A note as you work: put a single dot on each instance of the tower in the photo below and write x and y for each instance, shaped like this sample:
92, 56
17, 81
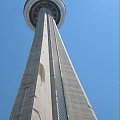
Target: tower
50, 88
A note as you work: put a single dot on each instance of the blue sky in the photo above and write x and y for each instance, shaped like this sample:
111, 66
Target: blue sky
91, 36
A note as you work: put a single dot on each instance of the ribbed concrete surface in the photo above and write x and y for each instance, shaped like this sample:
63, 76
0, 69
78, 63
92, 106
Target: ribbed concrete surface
50, 88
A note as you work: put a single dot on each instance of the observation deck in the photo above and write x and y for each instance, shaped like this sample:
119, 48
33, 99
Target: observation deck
32, 8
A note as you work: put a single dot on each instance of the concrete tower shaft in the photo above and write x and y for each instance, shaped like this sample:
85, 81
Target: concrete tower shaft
50, 88
32, 8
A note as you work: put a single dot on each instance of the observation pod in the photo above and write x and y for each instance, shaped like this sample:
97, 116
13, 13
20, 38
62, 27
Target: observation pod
32, 7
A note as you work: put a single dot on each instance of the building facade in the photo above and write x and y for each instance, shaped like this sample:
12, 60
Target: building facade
50, 88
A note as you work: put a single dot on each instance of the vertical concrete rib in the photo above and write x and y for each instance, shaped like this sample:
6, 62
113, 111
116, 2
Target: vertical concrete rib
77, 104
52, 74
59, 94
31, 93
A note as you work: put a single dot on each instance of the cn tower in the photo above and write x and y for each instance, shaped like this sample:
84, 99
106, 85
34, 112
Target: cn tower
50, 88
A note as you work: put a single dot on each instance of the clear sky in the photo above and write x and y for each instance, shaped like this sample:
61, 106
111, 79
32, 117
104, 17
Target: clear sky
91, 36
